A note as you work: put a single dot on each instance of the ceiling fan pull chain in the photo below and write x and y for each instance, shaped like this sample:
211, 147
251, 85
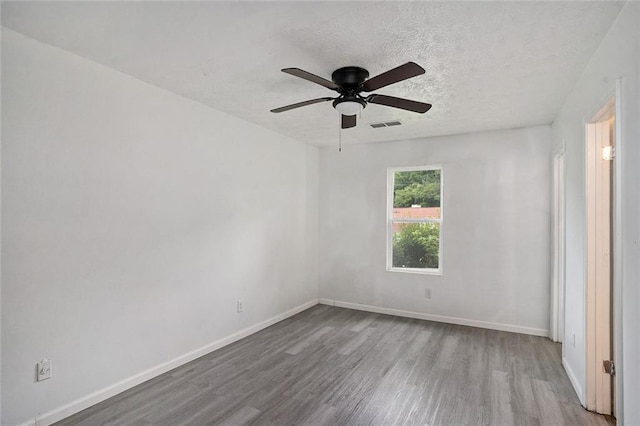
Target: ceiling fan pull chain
339, 133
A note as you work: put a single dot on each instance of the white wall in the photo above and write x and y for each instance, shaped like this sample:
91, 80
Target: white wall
133, 220
496, 227
617, 57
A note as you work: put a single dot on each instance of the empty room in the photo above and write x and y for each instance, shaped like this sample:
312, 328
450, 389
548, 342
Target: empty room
320, 213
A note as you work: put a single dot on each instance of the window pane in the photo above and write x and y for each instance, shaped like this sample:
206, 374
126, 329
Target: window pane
416, 245
418, 189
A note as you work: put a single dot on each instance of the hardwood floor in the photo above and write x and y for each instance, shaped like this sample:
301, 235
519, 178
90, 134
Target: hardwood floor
336, 366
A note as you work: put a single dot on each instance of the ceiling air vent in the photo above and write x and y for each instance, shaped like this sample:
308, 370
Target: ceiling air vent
385, 124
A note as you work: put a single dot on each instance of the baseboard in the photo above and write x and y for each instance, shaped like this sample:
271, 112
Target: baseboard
438, 318
103, 394
574, 381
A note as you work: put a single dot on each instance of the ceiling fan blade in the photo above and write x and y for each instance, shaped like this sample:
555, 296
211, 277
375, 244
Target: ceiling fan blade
311, 77
301, 104
414, 106
403, 72
348, 121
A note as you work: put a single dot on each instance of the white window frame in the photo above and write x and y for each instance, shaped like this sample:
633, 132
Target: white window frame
390, 221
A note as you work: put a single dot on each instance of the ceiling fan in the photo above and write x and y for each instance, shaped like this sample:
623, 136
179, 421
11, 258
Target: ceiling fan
349, 82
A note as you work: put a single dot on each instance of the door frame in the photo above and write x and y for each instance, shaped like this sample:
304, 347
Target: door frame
617, 250
558, 227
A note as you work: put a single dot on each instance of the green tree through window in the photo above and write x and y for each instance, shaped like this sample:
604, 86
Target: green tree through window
416, 246
420, 187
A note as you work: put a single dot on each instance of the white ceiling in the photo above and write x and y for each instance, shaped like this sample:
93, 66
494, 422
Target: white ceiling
489, 65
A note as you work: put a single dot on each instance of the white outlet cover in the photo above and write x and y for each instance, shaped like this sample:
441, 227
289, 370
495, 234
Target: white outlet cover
44, 369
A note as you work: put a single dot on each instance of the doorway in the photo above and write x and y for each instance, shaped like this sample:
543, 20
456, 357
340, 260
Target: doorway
600, 348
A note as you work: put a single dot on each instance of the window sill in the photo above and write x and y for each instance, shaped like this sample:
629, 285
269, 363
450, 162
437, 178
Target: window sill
416, 271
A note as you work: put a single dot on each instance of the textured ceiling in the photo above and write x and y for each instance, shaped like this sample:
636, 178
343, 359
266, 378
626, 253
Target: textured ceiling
489, 65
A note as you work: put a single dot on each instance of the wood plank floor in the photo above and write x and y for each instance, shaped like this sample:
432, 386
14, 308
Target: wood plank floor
336, 366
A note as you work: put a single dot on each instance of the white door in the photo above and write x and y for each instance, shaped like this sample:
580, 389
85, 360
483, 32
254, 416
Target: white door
600, 142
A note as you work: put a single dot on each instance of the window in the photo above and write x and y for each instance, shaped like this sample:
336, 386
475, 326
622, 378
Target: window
414, 213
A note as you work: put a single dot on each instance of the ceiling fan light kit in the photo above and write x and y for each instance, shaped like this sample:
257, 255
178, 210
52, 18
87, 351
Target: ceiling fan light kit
349, 107
349, 82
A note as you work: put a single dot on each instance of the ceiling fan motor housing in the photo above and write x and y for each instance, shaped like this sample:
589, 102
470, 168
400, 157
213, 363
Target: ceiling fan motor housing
349, 77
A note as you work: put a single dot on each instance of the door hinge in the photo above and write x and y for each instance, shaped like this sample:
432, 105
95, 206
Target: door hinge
609, 367
608, 153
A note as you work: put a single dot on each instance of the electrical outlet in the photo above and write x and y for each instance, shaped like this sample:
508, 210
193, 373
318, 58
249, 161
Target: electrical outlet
427, 293
44, 369
240, 306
